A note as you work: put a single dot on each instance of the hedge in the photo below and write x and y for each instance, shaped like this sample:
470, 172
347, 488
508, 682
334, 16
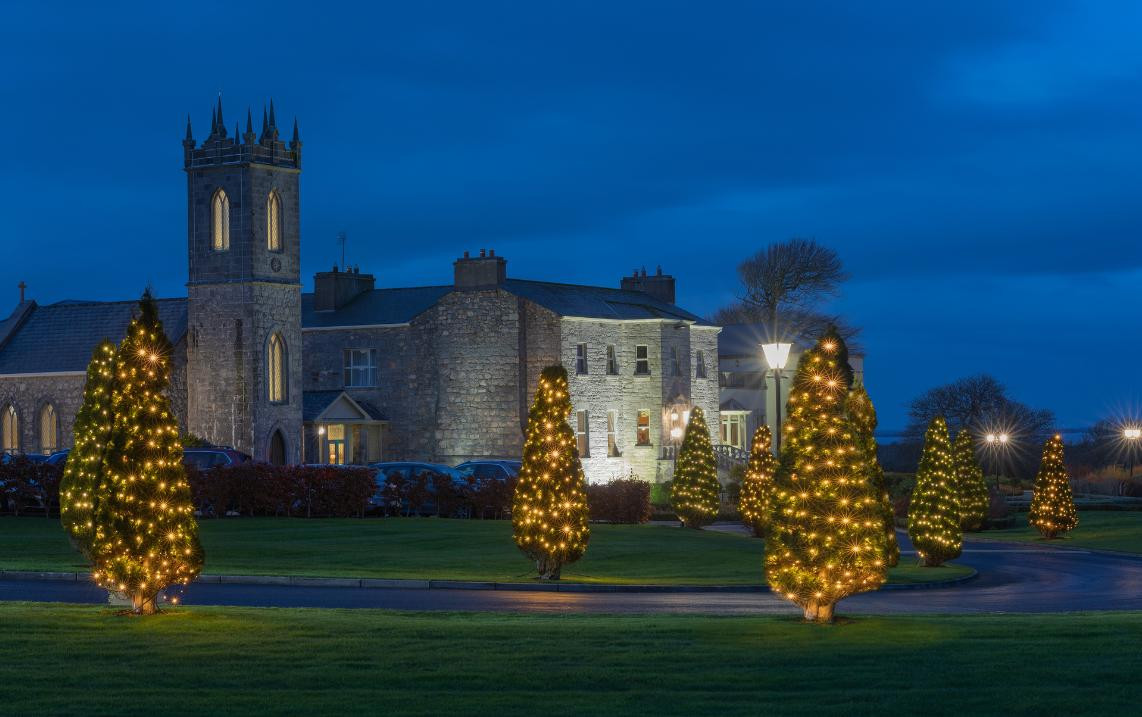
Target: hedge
626, 500
29, 486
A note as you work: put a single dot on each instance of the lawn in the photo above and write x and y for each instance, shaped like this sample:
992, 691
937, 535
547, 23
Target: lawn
429, 548
1098, 529
222, 661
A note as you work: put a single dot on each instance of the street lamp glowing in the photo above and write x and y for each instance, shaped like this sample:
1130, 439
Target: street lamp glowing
1003, 438
1132, 434
776, 355
676, 433
991, 438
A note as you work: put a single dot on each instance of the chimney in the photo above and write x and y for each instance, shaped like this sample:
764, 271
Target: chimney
485, 271
334, 289
659, 286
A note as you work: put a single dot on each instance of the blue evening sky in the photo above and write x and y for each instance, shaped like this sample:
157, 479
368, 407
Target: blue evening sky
977, 164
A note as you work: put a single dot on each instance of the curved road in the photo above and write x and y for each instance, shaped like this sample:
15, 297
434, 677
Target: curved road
1012, 578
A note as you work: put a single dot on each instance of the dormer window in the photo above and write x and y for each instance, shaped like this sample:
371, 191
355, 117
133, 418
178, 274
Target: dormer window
220, 221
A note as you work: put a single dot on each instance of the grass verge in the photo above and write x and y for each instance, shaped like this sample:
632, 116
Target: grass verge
429, 548
221, 661
1098, 530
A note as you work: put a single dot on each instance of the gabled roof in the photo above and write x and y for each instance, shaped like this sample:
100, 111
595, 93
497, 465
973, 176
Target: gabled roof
60, 337
314, 405
376, 307
597, 302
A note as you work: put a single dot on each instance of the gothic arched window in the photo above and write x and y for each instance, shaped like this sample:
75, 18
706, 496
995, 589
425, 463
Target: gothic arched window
49, 429
276, 369
9, 430
274, 221
220, 221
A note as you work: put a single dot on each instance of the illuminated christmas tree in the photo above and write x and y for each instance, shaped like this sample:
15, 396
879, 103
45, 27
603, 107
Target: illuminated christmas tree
549, 509
863, 416
695, 489
756, 499
1052, 504
826, 540
971, 490
934, 513
85, 461
145, 535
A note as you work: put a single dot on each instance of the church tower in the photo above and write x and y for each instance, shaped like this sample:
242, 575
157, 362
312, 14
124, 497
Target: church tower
244, 290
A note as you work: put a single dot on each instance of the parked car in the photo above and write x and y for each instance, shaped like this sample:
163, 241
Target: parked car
395, 480
491, 469
6, 458
58, 458
206, 458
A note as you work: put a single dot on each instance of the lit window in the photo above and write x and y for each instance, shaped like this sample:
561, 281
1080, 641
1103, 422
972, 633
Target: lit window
581, 359
734, 430
700, 365
360, 368
612, 361
612, 439
49, 430
220, 221
276, 369
10, 430
273, 222
675, 364
642, 428
641, 361
582, 434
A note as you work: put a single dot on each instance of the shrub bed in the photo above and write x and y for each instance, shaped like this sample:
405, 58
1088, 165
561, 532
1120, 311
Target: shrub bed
625, 500
29, 487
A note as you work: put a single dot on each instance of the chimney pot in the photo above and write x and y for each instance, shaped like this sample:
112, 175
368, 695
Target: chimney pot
491, 252
482, 254
465, 255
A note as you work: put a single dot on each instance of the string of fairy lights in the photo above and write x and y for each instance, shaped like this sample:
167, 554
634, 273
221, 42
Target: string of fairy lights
1053, 509
863, 415
969, 485
826, 539
934, 513
755, 503
549, 508
126, 501
695, 490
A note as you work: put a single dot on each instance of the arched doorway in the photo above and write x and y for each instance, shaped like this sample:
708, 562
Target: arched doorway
277, 449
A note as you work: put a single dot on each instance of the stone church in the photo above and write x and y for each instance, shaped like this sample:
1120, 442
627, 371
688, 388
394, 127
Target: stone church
351, 373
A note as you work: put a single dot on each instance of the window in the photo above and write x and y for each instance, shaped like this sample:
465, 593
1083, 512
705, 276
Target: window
734, 430
642, 428
360, 368
612, 439
582, 434
581, 359
220, 221
49, 430
612, 361
700, 365
10, 430
276, 369
273, 221
675, 364
641, 361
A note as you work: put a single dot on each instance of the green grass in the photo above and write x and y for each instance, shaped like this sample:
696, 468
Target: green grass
429, 548
1098, 529
222, 661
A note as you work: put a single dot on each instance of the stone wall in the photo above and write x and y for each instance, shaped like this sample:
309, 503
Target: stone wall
229, 326
29, 395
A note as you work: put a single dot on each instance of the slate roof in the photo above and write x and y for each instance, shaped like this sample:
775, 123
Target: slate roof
61, 336
379, 306
399, 306
314, 403
597, 302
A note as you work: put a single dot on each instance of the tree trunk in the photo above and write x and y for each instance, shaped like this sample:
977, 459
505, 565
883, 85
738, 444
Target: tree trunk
819, 612
142, 604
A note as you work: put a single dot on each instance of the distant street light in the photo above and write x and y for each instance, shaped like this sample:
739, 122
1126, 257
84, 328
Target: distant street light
777, 355
1131, 435
995, 441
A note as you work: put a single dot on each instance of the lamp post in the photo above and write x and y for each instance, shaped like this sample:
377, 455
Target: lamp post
776, 355
1131, 435
994, 442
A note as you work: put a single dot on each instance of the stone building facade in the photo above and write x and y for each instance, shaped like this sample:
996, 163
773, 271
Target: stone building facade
351, 373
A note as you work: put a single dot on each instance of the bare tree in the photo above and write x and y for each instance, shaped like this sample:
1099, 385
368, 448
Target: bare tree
980, 404
785, 282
